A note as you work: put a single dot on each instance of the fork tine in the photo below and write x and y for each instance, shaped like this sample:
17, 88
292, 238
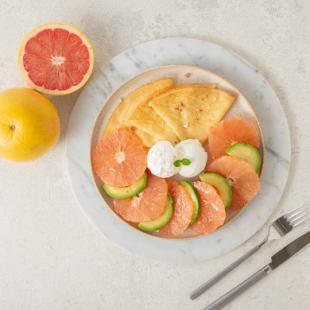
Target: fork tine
293, 212
302, 220
297, 216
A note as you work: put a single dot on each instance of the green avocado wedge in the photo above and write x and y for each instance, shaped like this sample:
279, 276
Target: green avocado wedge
160, 222
221, 185
194, 196
246, 152
128, 191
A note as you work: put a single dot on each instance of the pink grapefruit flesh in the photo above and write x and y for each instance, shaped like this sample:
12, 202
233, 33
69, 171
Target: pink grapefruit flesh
183, 211
56, 59
229, 131
148, 205
245, 181
119, 158
212, 210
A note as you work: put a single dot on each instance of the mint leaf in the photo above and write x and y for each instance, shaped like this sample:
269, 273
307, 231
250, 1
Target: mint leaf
186, 161
177, 163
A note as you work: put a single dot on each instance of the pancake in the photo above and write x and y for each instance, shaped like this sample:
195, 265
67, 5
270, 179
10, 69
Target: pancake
145, 119
191, 111
121, 115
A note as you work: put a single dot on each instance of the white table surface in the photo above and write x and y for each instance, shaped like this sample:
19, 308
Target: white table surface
52, 257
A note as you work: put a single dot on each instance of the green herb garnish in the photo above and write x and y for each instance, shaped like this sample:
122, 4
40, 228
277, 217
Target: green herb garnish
184, 161
177, 163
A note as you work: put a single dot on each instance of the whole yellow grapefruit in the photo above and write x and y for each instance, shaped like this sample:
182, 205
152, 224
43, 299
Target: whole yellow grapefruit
29, 124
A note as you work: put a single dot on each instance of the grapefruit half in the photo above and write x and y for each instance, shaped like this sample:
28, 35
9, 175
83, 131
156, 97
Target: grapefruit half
56, 59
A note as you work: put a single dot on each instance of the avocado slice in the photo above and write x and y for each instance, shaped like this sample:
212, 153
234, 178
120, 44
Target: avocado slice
128, 191
160, 222
195, 197
246, 152
221, 185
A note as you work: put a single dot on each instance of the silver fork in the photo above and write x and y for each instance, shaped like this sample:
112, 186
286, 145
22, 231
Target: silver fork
282, 225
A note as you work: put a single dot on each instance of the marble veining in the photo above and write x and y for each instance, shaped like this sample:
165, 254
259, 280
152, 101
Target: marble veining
234, 69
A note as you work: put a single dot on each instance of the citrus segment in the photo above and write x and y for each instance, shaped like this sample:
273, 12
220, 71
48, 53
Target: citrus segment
119, 158
212, 210
244, 179
183, 211
161, 221
246, 152
56, 59
220, 184
229, 131
146, 206
194, 196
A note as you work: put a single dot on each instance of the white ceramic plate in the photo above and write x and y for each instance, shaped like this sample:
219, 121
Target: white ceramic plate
185, 74
182, 51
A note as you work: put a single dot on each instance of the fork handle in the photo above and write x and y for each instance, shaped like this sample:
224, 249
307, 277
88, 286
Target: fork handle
205, 286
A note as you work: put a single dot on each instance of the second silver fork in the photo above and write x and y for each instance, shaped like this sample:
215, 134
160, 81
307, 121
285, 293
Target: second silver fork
282, 225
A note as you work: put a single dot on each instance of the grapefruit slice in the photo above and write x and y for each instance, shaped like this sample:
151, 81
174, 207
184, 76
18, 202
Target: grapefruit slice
161, 221
182, 213
195, 197
212, 210
146, 206
56, 59
243, 178
119, 158
221, 185
229, 131
246, 152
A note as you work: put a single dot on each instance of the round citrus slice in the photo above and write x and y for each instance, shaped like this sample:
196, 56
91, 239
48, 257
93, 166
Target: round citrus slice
119, 158
212, 210
229, 131
56, 59
146, 206
182, 213
243, 178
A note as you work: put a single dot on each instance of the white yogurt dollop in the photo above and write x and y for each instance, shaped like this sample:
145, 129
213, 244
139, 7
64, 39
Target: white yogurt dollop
160, 159
193, 150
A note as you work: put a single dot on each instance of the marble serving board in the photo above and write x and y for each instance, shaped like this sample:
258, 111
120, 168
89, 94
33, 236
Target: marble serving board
237, 72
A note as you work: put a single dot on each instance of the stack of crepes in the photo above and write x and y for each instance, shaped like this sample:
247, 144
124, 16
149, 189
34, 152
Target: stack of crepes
164, 110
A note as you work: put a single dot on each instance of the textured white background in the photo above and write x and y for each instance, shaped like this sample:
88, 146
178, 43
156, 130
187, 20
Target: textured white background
51, 256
